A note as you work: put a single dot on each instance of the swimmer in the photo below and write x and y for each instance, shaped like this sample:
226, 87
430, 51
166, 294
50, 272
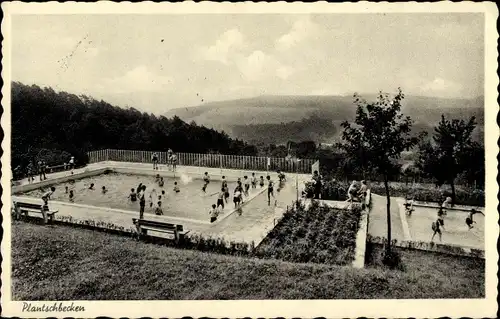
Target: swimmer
157, 178
71, 196
221, 197
66, 189
152, 197
409, 206
253, 180
206, 181
161, 182
104, 190
91, 186
469, 220
158, 209
176, 188
436, 228
247, 184
133, 195
214, 213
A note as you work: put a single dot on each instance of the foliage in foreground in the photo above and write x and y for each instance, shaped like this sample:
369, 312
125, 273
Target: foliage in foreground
63, 263
320, 234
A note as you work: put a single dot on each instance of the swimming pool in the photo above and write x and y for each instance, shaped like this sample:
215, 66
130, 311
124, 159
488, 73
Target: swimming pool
191, 202
455, 230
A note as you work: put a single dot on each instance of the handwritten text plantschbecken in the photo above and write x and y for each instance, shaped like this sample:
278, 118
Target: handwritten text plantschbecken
55, 307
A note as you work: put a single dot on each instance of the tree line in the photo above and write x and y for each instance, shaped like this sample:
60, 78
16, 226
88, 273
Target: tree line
49, 126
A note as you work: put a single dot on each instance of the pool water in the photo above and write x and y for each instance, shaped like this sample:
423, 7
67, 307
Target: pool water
191, 202
455, 230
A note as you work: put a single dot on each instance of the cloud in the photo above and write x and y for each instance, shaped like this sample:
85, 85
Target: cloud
259, 65
230, 41
302, 28
441, 86
139, 79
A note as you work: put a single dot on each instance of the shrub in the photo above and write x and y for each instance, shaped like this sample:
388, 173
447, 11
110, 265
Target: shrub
321, 234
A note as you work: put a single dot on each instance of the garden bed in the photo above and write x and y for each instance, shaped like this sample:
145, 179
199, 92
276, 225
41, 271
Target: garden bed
320, 234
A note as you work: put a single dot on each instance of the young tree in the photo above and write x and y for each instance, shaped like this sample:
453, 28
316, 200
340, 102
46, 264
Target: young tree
382, 133
450, 152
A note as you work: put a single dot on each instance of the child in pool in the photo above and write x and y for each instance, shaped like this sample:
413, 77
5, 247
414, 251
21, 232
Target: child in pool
104, 190
206, 181
409, 206
436, 228
161, 182
91, 186
261, 182
133, 195
66, 189
158, 209
176, 188
71, 196
247, 185
469, 220
254, 181
214, 213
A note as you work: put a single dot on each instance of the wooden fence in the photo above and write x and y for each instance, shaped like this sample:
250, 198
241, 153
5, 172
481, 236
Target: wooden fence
206, 160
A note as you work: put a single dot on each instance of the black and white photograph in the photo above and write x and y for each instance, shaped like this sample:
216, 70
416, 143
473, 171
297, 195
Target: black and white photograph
249, 160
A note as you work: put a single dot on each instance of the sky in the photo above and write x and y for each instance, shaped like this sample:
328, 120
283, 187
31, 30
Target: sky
158, 62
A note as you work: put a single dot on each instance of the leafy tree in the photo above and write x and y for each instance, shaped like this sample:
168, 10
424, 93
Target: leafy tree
376, 139
451, 152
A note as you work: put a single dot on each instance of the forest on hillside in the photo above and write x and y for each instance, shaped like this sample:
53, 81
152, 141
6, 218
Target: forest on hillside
314, 127
53, 125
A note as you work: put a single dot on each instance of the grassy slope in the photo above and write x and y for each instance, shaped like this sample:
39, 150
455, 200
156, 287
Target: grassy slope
71, 264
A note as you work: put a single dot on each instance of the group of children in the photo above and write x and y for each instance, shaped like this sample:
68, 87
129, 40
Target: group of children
241, 190
357, 193
171, 160
438, 225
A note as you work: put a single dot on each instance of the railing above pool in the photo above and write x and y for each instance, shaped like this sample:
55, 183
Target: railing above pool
208, 160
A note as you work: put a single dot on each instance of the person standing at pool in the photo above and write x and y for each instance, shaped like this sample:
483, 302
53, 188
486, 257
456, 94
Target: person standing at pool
409, 206
174, 162
29, 172
237, 196
154, 159
152, 198
247, 185
206, 181
441, 213
436, 228
254, 181
221, 197
469, 221
72, 164
270, 190
45, 198
225, 188
169, 158
142, 202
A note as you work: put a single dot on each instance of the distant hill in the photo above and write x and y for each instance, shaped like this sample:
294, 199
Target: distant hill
246, 118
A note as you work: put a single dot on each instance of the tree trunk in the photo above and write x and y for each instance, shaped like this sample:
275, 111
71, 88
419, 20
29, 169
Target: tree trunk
453, 194
386, 184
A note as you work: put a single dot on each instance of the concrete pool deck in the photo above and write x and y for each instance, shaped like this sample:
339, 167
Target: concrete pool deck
252, 225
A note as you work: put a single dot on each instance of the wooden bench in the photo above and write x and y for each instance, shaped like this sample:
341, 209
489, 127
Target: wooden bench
25, 208
144, 226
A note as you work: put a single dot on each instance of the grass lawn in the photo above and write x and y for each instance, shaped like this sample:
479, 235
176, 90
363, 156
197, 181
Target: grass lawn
64, 263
